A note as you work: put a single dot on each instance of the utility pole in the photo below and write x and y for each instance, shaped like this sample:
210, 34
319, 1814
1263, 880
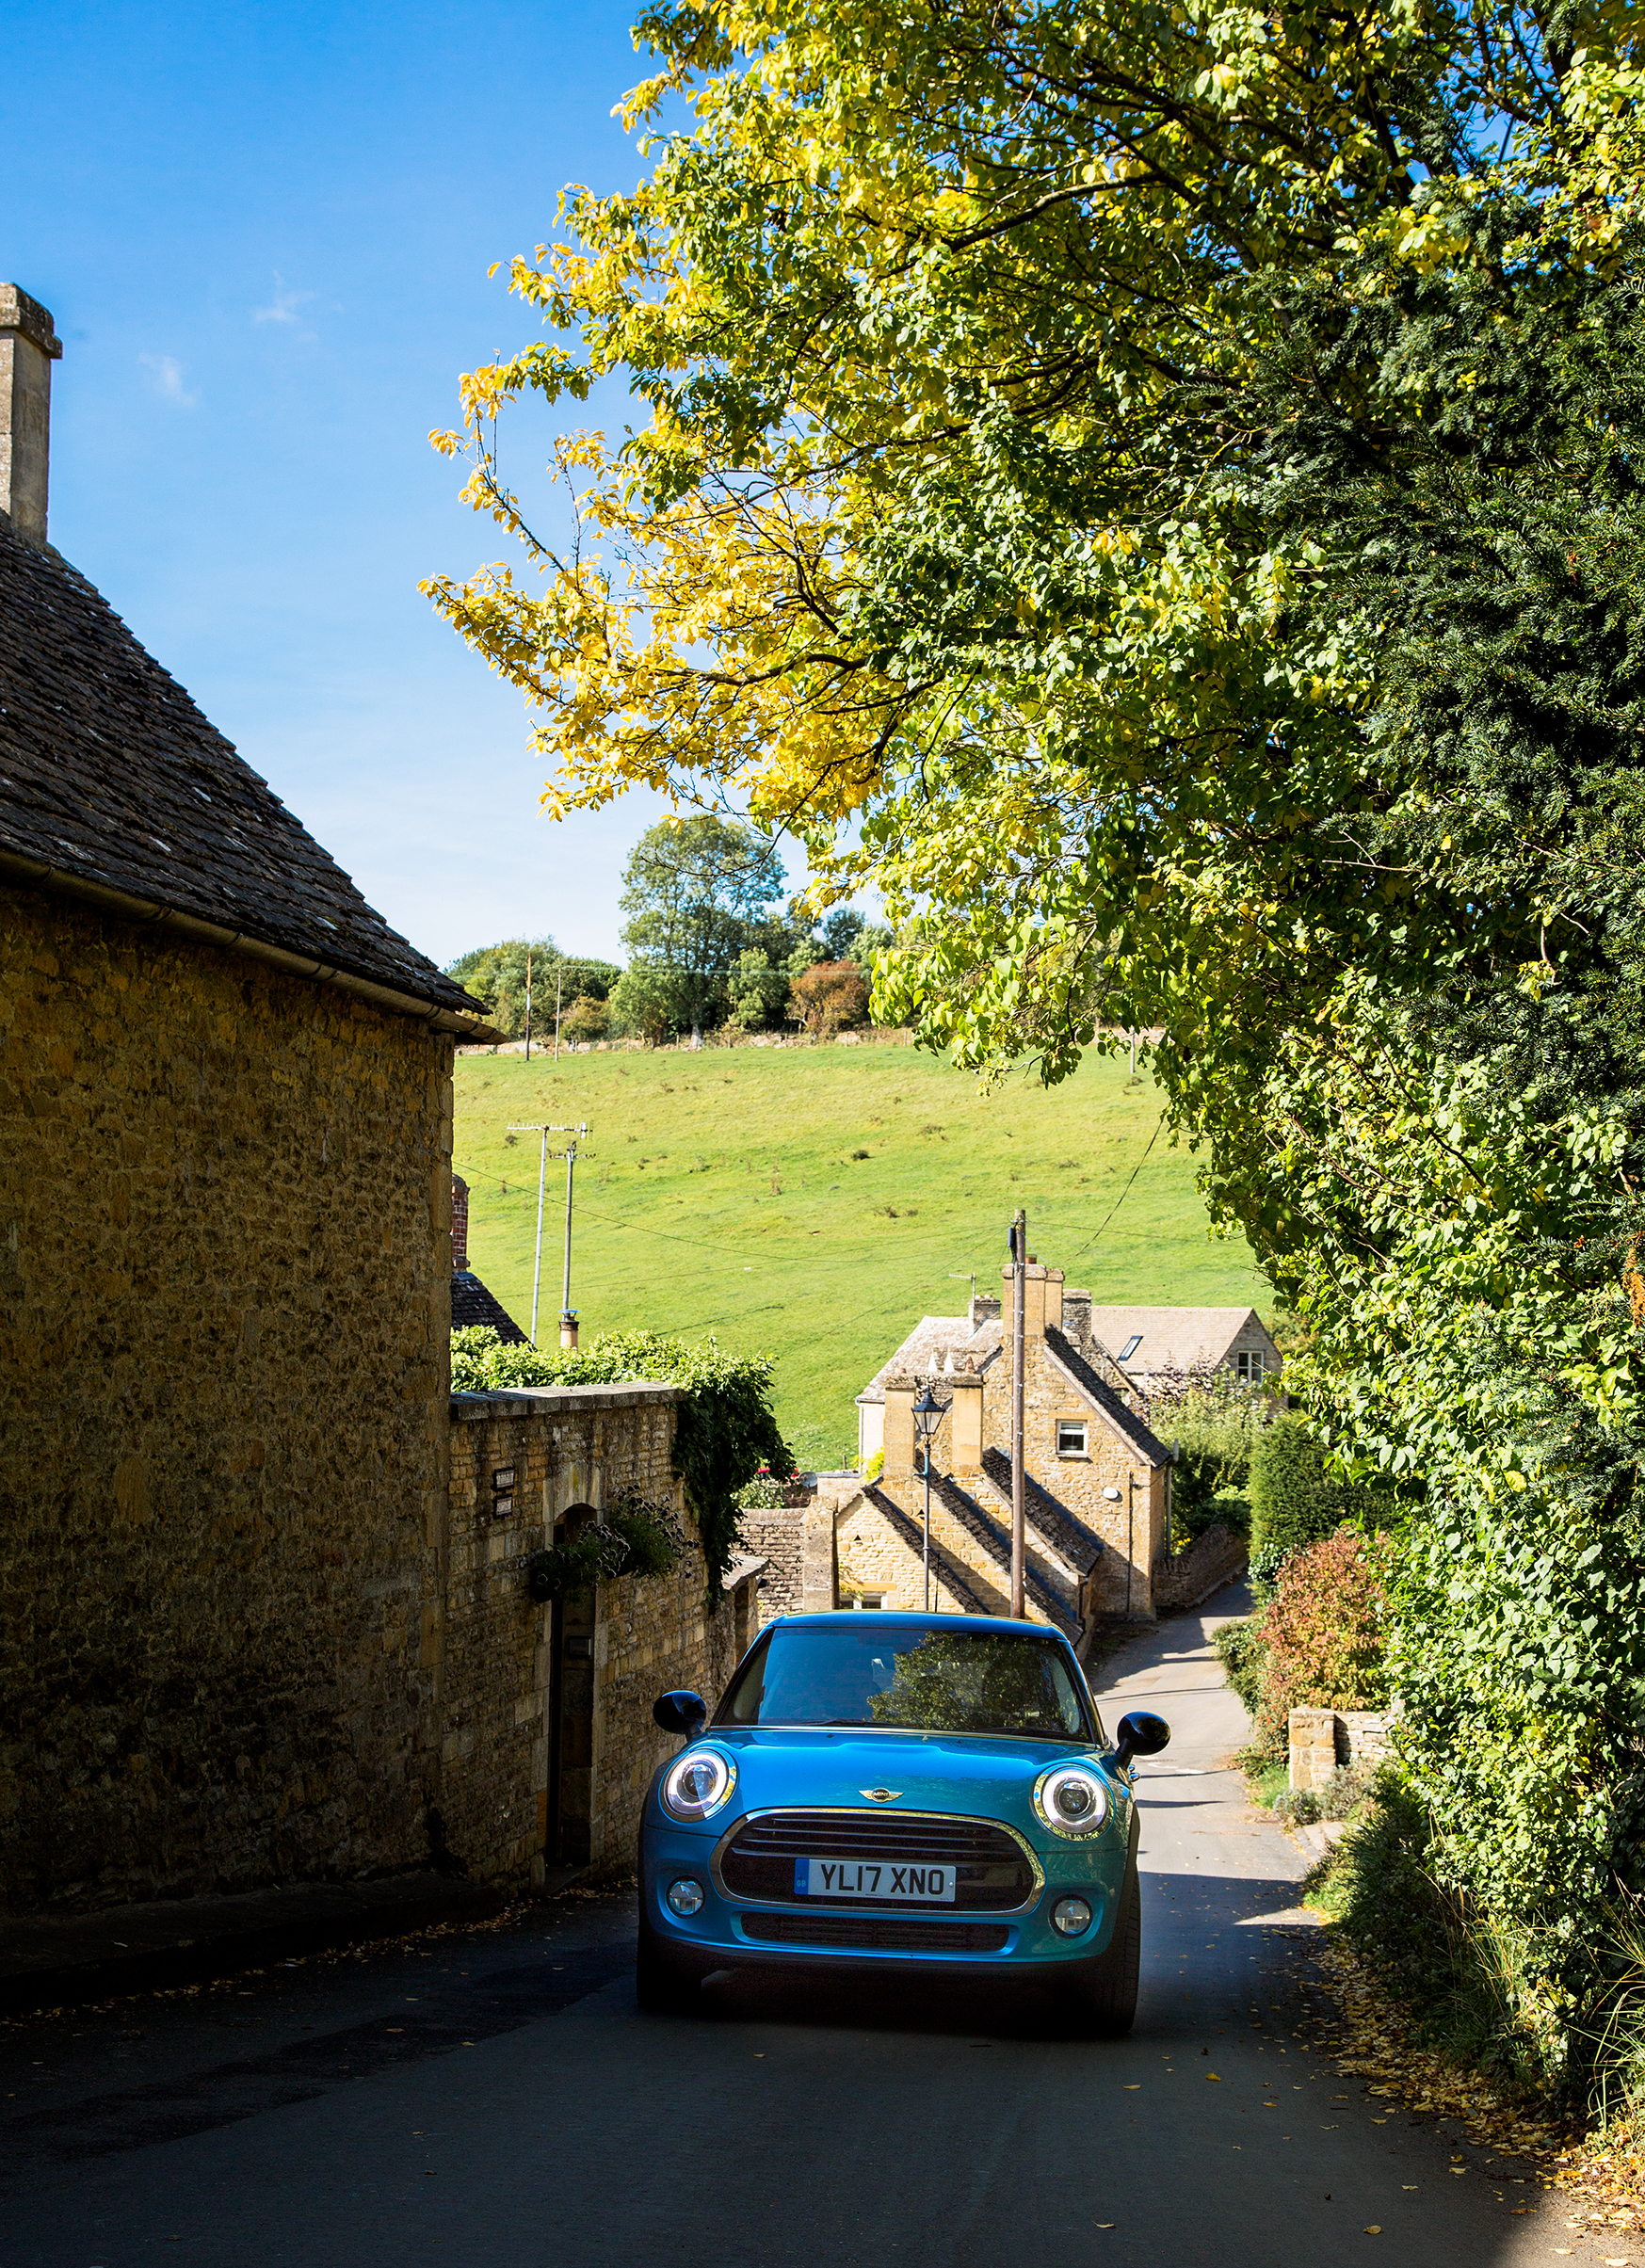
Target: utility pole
568, 1322
560, 975
528, 1003
536, 1127
1019, 1493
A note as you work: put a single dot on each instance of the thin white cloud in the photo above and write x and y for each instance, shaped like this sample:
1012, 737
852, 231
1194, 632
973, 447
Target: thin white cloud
283, 306
168, 379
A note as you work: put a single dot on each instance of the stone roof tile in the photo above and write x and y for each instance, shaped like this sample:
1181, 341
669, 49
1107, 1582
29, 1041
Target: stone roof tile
111, 777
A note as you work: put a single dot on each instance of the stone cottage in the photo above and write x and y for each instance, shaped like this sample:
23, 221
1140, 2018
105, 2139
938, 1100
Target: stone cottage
263, 1607
225, 1264
1097, 1478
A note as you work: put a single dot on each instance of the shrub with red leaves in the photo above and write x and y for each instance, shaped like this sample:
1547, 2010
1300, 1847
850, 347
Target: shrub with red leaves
1323, 1633
830, 995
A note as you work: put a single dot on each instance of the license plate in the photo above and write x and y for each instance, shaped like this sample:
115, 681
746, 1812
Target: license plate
873, 1878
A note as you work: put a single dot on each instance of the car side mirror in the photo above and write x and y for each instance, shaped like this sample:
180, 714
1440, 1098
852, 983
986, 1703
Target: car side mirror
1139, 1735
681, 1711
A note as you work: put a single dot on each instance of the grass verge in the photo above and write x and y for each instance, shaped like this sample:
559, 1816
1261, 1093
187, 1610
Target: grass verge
1425, 2014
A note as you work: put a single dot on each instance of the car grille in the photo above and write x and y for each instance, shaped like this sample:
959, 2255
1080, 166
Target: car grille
875, 1933
993, 1873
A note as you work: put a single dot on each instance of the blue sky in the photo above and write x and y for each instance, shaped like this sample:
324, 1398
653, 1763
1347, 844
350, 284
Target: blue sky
263, 234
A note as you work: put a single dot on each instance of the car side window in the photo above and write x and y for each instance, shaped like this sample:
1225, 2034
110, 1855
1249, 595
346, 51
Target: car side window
742, 1704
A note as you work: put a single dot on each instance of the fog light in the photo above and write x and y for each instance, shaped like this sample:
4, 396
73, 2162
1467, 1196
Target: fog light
685, 1897
1072, 1916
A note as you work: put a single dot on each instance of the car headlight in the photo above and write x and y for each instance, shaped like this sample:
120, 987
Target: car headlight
698, 1783
1071, 1800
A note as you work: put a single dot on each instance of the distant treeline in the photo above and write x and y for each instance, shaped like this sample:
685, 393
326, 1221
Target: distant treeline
708, 946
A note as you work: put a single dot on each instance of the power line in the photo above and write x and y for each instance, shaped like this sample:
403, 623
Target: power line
1124, 1193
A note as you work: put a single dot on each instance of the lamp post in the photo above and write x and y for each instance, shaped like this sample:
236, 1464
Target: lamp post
927, 1416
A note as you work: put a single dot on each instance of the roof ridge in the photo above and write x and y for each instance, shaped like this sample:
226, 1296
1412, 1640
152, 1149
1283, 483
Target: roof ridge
115, 786
953, 1570
1047, 1512
1140, 1435
998, 1541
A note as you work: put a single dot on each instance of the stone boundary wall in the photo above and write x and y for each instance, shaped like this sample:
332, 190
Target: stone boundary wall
866, 1036
1210, 1561
565, 1447
1321, 1739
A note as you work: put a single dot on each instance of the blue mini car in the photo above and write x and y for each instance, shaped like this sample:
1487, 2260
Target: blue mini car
893, 1792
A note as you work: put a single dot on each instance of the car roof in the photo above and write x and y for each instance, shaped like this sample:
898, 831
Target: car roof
1001, 1625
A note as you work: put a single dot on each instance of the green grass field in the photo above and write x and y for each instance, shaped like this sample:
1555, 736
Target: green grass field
812, 1204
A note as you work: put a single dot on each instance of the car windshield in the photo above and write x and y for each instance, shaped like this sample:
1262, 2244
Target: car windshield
925, 1680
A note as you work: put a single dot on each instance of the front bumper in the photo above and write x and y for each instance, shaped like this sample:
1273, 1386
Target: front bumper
725, 1930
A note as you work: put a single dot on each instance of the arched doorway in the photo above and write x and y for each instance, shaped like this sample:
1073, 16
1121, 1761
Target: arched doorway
571, 1711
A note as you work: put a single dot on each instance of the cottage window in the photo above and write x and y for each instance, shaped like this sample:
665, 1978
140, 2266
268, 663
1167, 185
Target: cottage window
1249, 1369
864, 1598
1071, 1439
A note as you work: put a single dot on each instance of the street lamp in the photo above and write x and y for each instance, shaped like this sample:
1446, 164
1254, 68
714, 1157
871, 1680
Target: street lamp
927, 1416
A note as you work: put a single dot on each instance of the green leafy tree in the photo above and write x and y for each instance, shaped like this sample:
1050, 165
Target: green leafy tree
1157, 497
693, 892
496, 976
1296, 1499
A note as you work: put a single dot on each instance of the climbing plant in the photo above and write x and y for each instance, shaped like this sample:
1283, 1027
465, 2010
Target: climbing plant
725, 1433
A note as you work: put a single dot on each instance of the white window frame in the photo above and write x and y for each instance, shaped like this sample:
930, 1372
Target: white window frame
1069, 1426
869, 1600
1250, 1366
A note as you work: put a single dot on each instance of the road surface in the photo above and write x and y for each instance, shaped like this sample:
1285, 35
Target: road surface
492, 2096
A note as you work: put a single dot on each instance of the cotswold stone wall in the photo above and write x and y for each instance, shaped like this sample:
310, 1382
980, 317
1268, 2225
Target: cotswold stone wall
1210, 1561
224, 1314
548, 1743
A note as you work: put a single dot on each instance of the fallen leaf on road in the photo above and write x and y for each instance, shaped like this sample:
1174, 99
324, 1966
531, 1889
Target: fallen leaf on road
1374, 2229
1104, 2224
1133, 2086
1213, 2074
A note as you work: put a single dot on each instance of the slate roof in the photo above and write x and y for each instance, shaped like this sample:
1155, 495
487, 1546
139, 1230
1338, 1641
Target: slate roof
1077, 1544
471, 1303
1142, 1438
931, 1345
112, 782
996, 1539
1178, 1338
944, 1567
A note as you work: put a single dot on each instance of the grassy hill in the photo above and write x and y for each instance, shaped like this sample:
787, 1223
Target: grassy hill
812, 1204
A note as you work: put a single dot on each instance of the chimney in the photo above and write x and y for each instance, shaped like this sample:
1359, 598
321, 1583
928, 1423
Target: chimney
458, 1225
1034, 1300
983, 1310
1076, 1318
965, 1430
28, 347
900, 1424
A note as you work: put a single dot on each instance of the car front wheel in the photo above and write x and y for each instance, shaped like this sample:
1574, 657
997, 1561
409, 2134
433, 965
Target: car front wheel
1105, 1990
661, 1986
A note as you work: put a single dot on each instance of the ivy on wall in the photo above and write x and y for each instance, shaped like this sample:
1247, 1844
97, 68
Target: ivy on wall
725, 1431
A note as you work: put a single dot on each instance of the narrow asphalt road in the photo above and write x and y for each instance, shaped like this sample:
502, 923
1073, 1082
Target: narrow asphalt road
491, 2095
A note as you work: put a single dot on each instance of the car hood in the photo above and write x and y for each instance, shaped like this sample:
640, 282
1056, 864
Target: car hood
965, 1772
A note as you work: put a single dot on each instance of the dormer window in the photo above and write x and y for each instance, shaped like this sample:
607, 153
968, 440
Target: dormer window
1070, 1438
1131, 1346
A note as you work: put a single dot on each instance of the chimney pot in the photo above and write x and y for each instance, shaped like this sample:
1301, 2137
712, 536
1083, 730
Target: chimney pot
28, 347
